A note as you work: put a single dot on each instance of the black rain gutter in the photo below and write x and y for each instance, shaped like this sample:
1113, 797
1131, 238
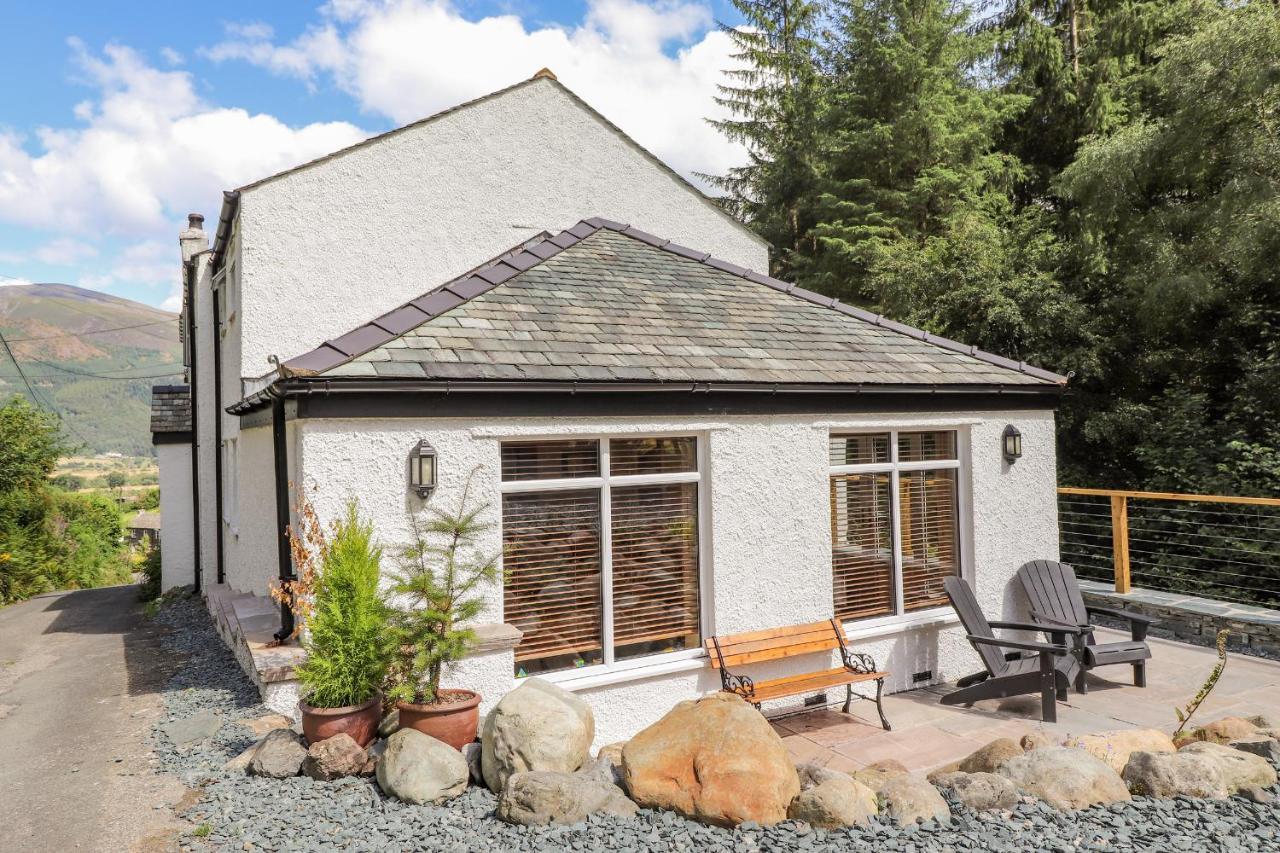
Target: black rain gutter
230, 210
189, 285
218, 523
309, 386
284, 557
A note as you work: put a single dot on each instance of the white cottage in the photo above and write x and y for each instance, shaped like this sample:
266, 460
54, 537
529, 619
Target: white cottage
670, 445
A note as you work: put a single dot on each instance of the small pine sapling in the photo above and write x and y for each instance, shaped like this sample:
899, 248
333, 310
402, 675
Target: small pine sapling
435, 591
1184, 714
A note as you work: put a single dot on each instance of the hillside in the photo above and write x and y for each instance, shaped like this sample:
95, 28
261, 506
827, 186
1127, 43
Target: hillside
93, 357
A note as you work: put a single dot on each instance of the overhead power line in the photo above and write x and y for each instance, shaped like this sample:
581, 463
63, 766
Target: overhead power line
100, 375
92, 332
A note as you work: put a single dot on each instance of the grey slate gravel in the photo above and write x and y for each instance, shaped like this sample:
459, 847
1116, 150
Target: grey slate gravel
300, 814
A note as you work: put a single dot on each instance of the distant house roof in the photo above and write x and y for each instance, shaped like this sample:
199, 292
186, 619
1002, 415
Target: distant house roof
170, 412
603, 302
145, 521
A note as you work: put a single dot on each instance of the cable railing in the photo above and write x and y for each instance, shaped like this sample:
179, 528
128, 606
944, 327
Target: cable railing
1223, 547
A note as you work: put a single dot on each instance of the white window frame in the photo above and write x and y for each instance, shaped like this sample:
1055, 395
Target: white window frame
604, 483
870, 626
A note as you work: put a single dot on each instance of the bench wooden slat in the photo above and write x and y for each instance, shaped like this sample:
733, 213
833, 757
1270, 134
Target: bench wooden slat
778, 652
774, 633
805, 676
733, 645
811, 683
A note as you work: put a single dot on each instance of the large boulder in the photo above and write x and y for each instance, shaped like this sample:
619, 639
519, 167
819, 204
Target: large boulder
417, 768
279, 755
542, 797
715, 760
1170, 774
1115, 747
1219, 731
333, 758
831, 800
1239, 769
1260, 745
989, 758
980, 791
910, 797
1036, 740
1066, 778
537, 726
874, 775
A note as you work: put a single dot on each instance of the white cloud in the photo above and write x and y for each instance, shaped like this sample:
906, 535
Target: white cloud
11, 281
64, 252
171, 56
149, 151
405, 59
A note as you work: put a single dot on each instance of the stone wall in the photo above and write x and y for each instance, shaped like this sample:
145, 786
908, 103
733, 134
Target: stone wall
1255, 630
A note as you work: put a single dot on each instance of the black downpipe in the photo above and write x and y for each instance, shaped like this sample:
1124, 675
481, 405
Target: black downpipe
217, 432
195, 424
283, 555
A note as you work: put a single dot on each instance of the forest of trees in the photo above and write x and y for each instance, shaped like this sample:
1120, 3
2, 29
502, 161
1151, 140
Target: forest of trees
1090, 185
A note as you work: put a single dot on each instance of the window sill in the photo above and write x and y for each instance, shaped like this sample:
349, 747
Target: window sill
938, 617
572, 682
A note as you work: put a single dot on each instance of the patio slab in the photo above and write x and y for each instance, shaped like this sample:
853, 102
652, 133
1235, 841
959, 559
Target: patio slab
927, 734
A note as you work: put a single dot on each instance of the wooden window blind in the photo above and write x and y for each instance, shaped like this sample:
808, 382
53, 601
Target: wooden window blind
860, 449
631, 456
551, 555
930, 536
655, 569
862, 537
926, 446
550, 460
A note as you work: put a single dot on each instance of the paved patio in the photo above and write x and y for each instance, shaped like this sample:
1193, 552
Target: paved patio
927, 734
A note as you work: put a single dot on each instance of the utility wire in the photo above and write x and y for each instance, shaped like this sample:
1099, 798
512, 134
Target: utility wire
93, 332
99, 375
25, 381
40, 400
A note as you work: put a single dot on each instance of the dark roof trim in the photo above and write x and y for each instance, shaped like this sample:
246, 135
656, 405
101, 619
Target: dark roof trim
394, 323
171, 437
306, 388
544, 74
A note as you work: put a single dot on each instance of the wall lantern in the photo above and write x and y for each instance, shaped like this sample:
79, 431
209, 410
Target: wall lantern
422, 469
1012, 443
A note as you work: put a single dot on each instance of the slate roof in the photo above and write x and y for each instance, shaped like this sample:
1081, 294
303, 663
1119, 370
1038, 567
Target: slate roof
170, 408
606, 302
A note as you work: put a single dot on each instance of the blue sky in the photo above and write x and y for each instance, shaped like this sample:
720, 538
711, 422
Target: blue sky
116, 120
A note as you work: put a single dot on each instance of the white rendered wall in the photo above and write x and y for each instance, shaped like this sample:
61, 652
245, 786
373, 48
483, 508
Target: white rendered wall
205, 414
177, 544
770, 538
249, 542
331, 246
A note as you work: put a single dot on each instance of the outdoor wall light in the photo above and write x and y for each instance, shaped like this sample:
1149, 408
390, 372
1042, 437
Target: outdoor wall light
422, 469
1012, 443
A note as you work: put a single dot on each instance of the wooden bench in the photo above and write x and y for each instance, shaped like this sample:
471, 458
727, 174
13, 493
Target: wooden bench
735, 650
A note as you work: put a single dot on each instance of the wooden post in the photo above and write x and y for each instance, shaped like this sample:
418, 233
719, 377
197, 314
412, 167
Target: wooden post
1120, 541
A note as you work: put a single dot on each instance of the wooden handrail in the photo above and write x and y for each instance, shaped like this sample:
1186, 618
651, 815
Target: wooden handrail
1168, 496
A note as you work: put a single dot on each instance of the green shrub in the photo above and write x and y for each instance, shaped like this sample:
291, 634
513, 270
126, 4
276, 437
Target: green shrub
347, 643
149, 566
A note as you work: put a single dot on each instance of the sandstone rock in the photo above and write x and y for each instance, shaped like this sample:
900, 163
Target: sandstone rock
417, 768
1036, 740
876, 774
1239, 769
604, 769
537, 726
613, 751
542, 797
1115, 747
333, 758
715, 760
1219, 731
1169, 774
261, 725
198, 727
1260, 745
390, 723
240, 763
981, 791
1066, 778
945, 770
910, 797
989, 758
279, 755
830, 800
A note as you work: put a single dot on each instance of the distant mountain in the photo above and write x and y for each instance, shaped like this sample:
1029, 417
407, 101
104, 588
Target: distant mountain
90, 356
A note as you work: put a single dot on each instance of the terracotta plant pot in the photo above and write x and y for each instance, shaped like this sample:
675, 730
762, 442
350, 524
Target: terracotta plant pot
358, 721
454, 722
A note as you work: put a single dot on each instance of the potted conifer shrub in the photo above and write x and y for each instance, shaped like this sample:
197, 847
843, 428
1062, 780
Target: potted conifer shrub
436, 594
348, 649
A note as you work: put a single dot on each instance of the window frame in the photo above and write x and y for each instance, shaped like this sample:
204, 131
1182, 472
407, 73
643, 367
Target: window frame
604, 482
964, 517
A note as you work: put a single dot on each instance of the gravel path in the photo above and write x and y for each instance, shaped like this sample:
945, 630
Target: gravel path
246, 813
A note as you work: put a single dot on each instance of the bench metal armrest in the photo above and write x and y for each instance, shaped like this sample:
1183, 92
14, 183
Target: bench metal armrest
1020, 644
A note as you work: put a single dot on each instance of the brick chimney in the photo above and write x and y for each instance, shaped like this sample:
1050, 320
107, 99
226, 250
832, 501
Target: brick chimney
193, 240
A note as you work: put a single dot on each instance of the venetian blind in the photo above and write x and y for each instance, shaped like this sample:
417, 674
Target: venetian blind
930, 536
551, 547
550, 460
862, 545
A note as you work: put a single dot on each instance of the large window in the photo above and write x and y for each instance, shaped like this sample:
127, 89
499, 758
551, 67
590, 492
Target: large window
895, 530
600, 544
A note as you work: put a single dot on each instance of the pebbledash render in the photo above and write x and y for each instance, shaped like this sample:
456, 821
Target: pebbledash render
668, 445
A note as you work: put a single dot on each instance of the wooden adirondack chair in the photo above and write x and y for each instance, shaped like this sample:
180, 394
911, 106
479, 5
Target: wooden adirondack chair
1055, 598
1048, 673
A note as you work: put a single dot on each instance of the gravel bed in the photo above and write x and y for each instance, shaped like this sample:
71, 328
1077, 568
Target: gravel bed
241, 812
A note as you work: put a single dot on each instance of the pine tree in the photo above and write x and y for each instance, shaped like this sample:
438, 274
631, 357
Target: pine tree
775, 97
